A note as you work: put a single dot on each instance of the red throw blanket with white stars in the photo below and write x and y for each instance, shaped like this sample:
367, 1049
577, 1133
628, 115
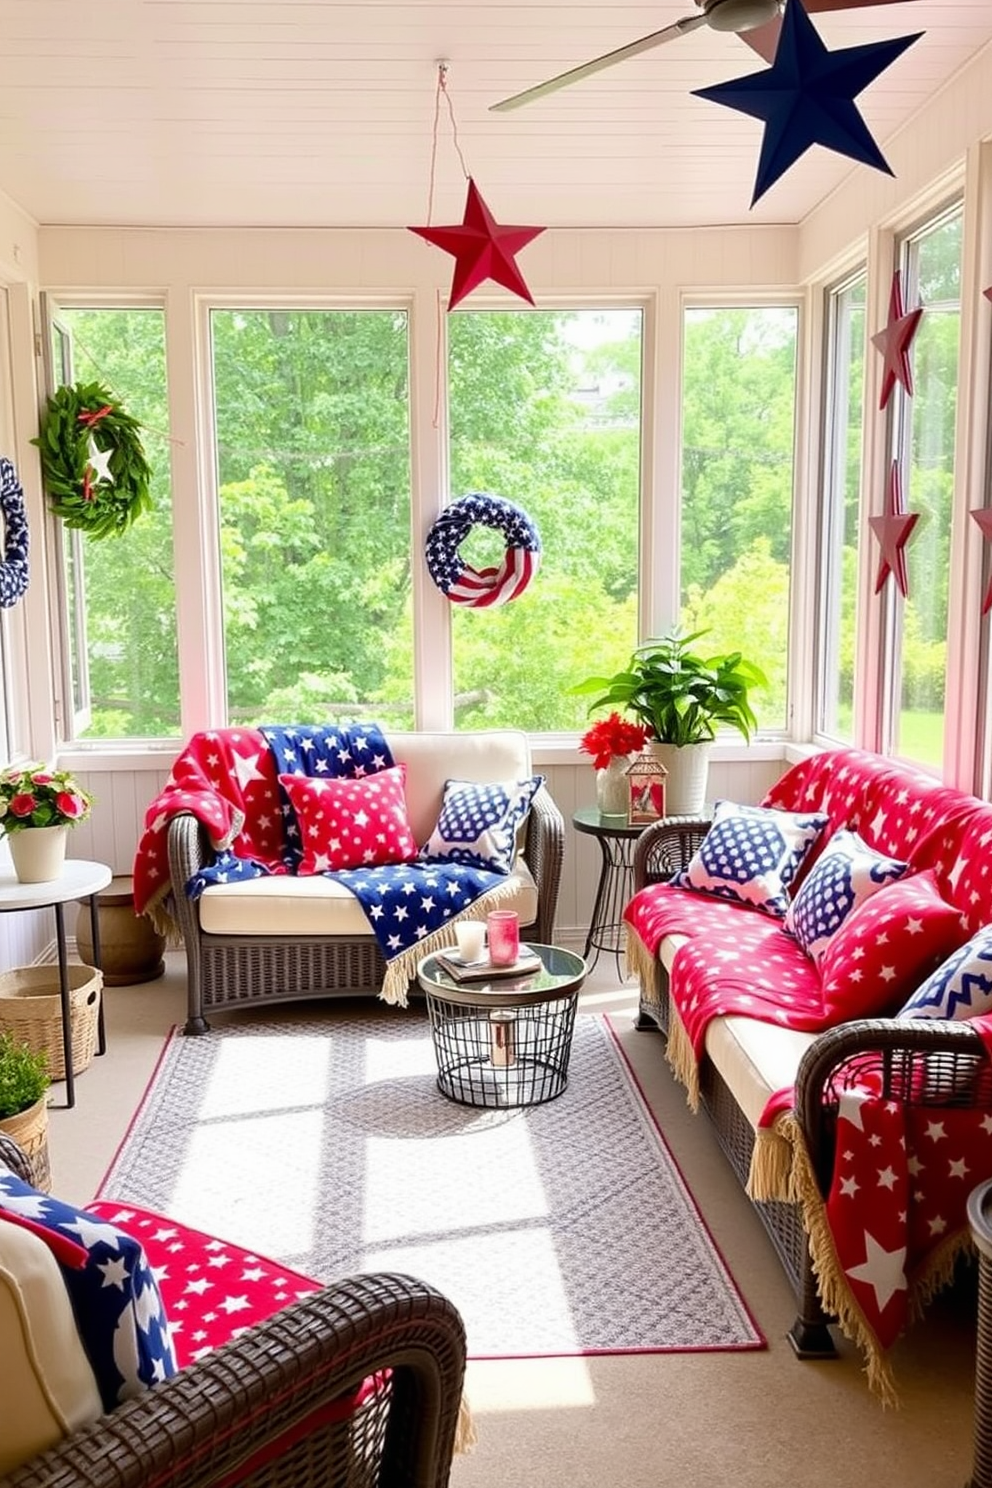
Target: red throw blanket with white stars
227, 780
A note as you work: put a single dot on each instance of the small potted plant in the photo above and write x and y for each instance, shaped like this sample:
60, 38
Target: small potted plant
37, 807
612, 742
24, 1082
682, 696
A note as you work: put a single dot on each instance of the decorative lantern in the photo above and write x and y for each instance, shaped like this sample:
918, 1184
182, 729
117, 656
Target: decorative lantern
646, 777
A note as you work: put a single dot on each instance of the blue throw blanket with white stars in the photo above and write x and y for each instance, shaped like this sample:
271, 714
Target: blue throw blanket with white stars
405, 903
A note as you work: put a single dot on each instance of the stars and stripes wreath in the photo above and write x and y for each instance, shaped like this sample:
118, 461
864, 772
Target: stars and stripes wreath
481, 587
14, 567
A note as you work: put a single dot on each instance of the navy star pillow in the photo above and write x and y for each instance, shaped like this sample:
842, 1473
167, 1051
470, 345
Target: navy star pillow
752, 854
115, 1297
478, 823
847, 873
961, 987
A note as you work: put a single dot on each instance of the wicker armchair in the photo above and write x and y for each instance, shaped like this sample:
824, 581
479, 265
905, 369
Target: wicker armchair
357, 1386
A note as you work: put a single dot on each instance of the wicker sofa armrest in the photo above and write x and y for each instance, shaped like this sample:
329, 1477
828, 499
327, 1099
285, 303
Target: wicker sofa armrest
933, 1062
544, 851
666, 847
271, 1391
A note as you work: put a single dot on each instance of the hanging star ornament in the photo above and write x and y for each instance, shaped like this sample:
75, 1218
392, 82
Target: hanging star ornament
893, 531
482, 249
983, 516
99, 463
807, 97
894, 341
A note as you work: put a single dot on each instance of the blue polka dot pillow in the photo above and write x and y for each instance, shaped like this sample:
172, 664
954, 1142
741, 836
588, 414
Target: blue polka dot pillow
847, 873
752, 854
478, 823
961, 987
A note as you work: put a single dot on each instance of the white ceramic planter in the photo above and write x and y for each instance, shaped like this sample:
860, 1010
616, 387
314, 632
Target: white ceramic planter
38, 853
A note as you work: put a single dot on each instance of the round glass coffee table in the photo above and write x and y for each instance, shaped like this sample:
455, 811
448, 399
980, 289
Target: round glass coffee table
506, 1040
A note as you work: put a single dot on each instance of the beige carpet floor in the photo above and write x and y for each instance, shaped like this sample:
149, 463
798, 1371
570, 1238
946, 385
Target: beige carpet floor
751, 1420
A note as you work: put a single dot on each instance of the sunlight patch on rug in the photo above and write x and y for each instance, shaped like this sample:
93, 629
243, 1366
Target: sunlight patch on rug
323, 1141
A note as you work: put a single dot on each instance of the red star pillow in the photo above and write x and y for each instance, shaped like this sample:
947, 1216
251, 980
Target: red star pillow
360, 823
887, 946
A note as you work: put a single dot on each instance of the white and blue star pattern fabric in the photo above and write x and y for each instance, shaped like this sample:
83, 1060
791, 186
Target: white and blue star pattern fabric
115, 1298
752, 854
478, 823
846, 874
346, 752
961, 987
14, 568
482, 587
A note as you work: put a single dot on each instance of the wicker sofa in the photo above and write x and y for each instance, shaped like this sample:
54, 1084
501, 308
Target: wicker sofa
286, 1402
747, 1060
279, 939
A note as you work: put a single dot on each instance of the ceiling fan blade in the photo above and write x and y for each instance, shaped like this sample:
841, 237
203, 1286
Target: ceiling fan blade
764, 39
609, 59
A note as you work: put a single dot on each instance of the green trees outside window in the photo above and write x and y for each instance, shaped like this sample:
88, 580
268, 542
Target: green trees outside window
738, 434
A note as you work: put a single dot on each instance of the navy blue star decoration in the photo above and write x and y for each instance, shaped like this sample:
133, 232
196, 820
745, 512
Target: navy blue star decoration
807, 97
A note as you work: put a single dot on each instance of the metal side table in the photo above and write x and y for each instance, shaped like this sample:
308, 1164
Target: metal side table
79, 880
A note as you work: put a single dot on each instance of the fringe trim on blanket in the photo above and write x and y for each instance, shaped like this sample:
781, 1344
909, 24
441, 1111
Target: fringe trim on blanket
159, 911
835, 1295
641, 963
682, 1057
466, 1436
402, 969
769, 1179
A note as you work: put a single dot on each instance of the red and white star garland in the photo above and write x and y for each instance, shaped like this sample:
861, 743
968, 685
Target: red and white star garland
894, 341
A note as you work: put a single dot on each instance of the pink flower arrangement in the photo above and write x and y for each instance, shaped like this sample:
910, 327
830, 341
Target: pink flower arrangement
612, 737
32, 796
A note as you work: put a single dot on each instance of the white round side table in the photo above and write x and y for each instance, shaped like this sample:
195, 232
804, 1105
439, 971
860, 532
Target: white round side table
78, 880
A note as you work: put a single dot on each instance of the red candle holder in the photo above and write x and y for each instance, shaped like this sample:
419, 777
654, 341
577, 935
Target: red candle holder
504, 937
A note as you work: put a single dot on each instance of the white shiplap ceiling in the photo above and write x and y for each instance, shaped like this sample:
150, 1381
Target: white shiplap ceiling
319, 113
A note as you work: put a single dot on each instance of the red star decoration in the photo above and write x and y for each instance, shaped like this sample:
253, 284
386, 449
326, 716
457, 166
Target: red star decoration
893, 531
482, 249
983, 516
895, 340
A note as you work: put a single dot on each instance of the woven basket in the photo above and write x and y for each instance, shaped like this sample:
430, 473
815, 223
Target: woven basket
29, 1129
31, 1009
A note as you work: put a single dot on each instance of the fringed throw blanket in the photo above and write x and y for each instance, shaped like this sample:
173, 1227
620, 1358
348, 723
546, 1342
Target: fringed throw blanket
230, 783
887, 1235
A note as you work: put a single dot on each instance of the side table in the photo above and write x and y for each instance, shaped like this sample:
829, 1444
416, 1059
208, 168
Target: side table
616, 838
504, 1040
79, 880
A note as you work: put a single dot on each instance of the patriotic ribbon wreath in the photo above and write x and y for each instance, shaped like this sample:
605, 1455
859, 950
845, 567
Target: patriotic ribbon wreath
14, 568
481, 587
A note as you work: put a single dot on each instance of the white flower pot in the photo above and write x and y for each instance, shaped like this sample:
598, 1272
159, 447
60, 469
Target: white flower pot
688, 772
38, 853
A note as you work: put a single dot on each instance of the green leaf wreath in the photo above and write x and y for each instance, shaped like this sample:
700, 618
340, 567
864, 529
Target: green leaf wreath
100, 506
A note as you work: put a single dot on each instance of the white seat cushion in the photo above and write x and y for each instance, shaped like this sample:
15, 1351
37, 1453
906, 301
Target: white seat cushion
289, 906
47, 1388
755, 1059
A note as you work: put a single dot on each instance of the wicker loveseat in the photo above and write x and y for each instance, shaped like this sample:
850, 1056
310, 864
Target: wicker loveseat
275, 939
357, 1385
747, 1060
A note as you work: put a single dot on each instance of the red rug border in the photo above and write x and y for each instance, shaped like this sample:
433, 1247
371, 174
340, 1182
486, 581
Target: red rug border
760, 1342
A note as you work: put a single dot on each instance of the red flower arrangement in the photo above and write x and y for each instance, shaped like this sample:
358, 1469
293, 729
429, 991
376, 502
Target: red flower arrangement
611, 737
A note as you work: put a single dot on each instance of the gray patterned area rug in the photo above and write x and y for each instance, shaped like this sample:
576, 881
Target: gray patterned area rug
322, 1141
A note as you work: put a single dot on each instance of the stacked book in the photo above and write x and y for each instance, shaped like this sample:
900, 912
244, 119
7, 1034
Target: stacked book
460, 970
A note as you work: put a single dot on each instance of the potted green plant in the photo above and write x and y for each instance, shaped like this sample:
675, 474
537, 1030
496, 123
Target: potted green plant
24, 1082
683, 696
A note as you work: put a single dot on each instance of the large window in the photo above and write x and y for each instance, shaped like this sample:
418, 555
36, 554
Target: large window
121, 658
738, 430
924, 427
842, 445
313, 454
545, 410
